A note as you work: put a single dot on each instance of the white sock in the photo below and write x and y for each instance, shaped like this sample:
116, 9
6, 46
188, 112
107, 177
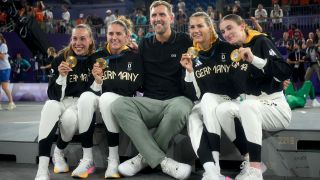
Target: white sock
87, 153
216, 155
246, 157
209, 167
57, 150
43, 163
113, 152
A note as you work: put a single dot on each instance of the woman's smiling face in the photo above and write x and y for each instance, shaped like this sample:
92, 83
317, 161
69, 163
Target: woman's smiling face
80, 41
199, 30
232, 32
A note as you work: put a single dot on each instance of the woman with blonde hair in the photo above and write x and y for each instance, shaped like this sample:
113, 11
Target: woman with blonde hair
132, 43
70, 77
116, 61
213, 75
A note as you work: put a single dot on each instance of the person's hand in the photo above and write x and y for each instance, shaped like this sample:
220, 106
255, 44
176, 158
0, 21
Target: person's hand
186, 62
133, 45
42, 67
64, 68
97, 73
253, 18
285, 84
246, 54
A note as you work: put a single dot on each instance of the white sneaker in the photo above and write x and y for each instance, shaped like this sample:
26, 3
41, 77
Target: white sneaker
245, 165
175, 169
213, 176
85, 167
112, 170
251, 173
42, 175
132, 166
60, 164
11, 106
213, 173
315, 103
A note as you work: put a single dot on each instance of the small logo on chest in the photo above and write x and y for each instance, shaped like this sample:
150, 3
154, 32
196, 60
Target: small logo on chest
197, 62
223, 57
129, 66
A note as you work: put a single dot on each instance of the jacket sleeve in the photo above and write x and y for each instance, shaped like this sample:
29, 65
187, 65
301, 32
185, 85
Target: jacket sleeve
57, 84
190, 86
275, 65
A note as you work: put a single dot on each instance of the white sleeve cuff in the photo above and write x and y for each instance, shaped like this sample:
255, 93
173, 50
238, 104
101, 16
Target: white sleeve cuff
62, 80
189, 77
258, 62
197, 89
96, 87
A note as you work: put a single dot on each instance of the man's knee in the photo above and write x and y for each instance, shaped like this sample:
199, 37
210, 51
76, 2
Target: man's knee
120, 106
180, 107
181, 104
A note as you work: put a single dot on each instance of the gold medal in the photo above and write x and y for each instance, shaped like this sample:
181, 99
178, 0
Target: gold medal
193, 52
72, 61
235, 55
102, 63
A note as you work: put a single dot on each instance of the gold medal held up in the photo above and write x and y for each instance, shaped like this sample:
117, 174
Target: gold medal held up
102, 63
235, 55
193, 52
72, 61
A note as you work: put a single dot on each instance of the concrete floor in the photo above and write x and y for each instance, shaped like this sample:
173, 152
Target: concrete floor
13, 171
10, 170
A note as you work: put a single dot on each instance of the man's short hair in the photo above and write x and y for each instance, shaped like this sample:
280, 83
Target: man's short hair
164, 3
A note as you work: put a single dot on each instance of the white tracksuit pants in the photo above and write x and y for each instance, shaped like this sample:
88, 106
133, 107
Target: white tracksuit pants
65, 111
268, 112
88, 104
204, 114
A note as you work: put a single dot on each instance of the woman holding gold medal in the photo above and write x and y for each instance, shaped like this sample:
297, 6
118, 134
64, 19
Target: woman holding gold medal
265, 106
70, 77
209, 67
117, 73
